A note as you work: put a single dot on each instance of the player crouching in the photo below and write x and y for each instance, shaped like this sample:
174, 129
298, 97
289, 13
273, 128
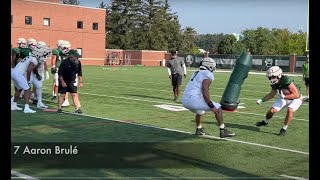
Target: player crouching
289, 96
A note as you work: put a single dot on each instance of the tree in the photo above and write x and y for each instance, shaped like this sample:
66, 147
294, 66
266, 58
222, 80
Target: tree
71, 2
188, 36
227, 45
102, 5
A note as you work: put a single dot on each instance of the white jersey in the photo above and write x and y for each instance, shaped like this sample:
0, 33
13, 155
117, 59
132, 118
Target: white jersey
23, 65
194, 86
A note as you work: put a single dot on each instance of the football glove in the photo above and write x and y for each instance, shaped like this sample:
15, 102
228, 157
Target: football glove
53, 70
38, 77
30, 84
259, 101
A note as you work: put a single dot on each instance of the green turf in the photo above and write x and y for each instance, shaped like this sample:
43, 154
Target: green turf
130, 94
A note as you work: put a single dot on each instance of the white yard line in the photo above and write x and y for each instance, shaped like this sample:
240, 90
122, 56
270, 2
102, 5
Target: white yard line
185, 132
21, 176
292, 177
144, 100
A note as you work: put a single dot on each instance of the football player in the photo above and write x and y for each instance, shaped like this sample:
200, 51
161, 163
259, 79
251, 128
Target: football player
196, 97
22, 79
291, 99
55, 63
15, 58
24, 52
38, 76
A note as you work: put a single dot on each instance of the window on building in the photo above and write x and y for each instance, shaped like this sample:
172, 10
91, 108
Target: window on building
80, 52
46, 21
28, 20
80, 25
95, 26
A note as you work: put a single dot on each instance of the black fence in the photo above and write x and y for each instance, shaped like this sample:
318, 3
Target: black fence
259, 62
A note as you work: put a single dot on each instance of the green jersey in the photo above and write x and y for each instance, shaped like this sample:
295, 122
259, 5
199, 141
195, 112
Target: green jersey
20, 53
16, 51
58, 58
305, 68
63, 56
24, 52
285, 81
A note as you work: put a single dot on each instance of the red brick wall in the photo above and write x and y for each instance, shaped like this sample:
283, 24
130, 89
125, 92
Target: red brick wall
152, 58
63, 25
142, 57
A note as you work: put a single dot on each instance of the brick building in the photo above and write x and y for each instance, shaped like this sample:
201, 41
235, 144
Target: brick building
49, 21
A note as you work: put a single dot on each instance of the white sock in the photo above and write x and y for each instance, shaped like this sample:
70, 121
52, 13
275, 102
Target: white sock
26, 106
266, 120
199, 127
285, 127
222, 126
39, 94
14, 103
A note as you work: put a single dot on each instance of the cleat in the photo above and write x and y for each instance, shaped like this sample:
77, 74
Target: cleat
175, 98
78, 111
54, 98
42, 106
14, 108
282, 132
65, 104
200, 131
261, 123
225, 133
59, 111
28, 110
34, 101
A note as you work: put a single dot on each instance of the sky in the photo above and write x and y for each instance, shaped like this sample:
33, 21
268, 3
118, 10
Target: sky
234, 16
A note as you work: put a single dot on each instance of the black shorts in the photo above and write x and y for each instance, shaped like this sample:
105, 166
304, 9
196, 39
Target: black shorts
176, 79
70, 88
306, 81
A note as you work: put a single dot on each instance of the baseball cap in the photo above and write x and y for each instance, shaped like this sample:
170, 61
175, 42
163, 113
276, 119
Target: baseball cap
74, 52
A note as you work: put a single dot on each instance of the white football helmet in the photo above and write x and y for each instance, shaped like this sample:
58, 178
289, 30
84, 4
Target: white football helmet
41, 43
32, 43
59, 44
66, 46
22, 43
274, 74
208, 63
41, 52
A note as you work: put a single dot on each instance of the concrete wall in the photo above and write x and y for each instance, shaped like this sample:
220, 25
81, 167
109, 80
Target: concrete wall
63, 25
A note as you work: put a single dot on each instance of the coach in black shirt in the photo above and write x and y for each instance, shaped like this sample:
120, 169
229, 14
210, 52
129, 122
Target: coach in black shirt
69, 69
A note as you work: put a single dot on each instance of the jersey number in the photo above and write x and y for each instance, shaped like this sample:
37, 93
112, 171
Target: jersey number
195, 74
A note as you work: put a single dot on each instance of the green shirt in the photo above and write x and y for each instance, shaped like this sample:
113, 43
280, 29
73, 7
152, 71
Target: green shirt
285, 81
24, 52
58, 58
16, 51
305, 68
20, 53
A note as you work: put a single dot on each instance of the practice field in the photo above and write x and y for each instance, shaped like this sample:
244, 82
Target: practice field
131, 128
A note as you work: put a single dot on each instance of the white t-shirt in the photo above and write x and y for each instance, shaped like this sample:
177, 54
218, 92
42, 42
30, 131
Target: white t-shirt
194, 86
23, 65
